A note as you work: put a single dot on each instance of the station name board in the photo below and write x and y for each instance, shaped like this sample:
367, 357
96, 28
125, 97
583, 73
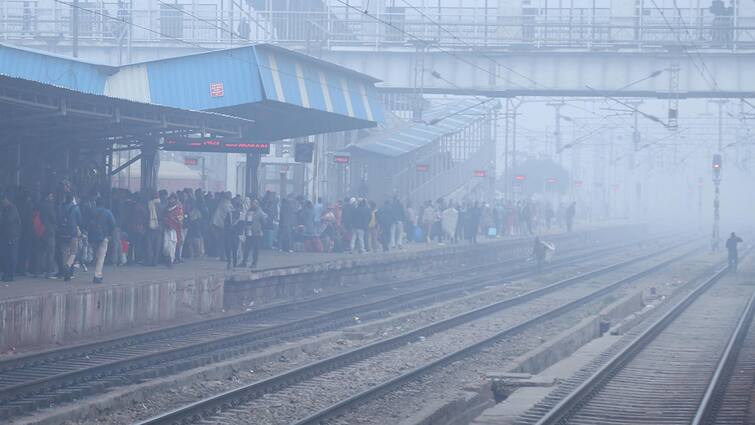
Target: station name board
216, 145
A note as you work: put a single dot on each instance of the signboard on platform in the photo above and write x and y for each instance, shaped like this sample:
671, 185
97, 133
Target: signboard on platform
520, 178
227, 145
551, 180
191, 160
423, 168
479, 173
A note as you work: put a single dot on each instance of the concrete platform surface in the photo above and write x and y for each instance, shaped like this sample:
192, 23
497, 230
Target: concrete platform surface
270, 262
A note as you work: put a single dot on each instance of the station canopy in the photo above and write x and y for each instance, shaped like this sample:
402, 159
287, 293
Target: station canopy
278, 93
438, 121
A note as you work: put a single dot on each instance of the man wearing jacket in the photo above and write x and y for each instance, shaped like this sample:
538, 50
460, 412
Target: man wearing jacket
49, 220
153, 244
255, 221
100, 230
68, 231
10, 232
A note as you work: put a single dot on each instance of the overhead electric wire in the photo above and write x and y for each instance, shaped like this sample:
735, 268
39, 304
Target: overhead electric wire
712, 83
494, 60
451, 33
691, 38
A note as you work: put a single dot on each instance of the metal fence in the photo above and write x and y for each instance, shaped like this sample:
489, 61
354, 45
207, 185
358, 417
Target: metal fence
207, 24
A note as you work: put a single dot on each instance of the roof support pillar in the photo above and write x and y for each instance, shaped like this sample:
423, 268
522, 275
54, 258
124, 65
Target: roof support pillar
17, 165
253, 161
150, 165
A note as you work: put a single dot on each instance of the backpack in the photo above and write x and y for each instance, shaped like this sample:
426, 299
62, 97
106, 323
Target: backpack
37, 225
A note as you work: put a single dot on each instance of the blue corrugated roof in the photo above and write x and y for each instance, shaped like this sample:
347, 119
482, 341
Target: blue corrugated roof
311, 83
453, 117
53, 69
271, 77
185, 81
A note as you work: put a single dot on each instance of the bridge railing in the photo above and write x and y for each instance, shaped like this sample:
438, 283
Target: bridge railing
203, 23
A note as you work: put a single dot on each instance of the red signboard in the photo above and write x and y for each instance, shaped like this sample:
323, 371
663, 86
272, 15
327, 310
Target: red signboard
550, 180
520, 177
341, 159
217, 90
423, 168
229, 145
191, 161
479, 173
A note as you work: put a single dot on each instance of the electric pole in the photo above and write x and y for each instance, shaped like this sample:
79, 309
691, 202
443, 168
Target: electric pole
717, 165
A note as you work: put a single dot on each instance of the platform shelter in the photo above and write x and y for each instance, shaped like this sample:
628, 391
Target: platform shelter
65, 117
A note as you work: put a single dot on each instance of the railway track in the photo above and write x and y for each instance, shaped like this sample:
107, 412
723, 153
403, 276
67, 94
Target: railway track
671, 370
37, 381
315, 392
731, 392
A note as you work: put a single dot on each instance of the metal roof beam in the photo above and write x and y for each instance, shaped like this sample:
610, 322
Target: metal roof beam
126, 165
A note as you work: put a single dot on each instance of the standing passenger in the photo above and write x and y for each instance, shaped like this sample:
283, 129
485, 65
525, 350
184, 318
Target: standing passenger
153, 245
731, 246
68, 235
49, 220
538, 252
100, 231
570, 212
255, 221
10, 232
172, 229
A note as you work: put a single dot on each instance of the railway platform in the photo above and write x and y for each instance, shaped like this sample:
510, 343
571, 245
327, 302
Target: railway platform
39, 313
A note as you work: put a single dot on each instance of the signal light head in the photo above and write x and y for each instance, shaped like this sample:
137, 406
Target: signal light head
717, 165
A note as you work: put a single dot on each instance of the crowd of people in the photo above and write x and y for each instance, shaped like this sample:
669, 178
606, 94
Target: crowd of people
55, 233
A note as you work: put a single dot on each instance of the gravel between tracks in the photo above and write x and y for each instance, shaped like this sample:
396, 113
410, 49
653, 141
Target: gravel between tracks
447, 383
318, 348
300, 400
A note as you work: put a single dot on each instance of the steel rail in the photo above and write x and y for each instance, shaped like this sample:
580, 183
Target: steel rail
727, 362
214, 404
562, 410
77, 376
